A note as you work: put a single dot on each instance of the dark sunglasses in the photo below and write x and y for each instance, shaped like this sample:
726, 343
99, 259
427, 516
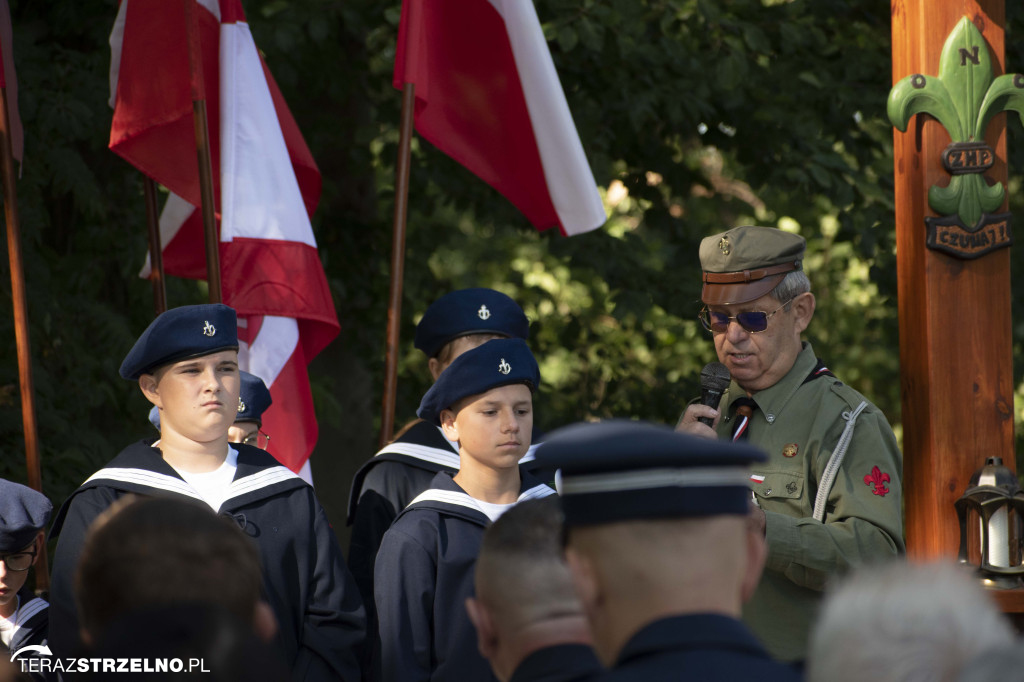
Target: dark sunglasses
752, 321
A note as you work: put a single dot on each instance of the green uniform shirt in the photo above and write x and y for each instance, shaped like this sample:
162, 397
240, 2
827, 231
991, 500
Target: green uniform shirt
799, 425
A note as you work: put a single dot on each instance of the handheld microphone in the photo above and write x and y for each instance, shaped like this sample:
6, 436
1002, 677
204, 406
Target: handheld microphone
714, 379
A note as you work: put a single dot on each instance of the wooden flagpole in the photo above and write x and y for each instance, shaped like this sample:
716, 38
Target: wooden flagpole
28, 404
156, 255
195, 60
387, 421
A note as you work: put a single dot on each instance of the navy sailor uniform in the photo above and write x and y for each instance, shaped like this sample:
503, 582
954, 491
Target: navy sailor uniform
386, 485
703, 647
30, 628
319, 613
424, 573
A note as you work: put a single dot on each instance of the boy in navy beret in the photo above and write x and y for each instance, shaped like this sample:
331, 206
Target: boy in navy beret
455, 323
186, 364
24, 514
663, 550
424, 571
253, 401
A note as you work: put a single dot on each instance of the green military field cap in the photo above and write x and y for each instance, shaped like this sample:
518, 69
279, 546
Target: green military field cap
745, 263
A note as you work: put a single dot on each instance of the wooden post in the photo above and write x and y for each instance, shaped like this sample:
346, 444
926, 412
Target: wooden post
21, 335
195, 60
956, 361
156, 254
387, 420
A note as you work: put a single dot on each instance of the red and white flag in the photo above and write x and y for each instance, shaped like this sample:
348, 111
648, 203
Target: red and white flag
487, 94
266, 185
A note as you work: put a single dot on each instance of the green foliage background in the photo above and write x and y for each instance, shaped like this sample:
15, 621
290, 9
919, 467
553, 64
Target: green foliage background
696, 116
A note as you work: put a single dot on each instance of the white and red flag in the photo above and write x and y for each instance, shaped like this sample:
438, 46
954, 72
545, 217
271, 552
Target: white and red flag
488, 95
266, 185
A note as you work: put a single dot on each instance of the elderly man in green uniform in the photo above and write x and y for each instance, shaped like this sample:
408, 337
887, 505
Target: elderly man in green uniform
829, 494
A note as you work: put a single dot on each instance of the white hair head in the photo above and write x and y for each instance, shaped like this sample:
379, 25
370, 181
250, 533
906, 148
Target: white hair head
903, 622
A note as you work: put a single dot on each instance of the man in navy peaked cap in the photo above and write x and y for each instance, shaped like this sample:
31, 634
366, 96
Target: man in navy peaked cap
186, 364
662, 550
24, 514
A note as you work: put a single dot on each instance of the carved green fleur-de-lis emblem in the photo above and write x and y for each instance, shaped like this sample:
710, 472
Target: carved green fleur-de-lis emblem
963, 98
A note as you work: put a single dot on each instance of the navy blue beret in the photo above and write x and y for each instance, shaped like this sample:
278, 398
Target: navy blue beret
621, 470
23, 513
253, 399
498, 362
179, 333
469, 311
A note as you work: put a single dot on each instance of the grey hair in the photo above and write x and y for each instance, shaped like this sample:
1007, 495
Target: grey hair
791, 286
994, 665
903, 622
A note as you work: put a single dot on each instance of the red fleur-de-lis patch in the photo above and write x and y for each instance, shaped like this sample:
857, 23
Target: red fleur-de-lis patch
877, 479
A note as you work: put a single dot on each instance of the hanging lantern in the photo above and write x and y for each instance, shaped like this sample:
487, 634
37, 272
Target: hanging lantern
991, 513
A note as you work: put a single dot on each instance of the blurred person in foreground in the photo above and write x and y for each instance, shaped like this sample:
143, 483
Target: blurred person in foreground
998, 664
663, 550
829, 495
166, 578
530, 624
904, 622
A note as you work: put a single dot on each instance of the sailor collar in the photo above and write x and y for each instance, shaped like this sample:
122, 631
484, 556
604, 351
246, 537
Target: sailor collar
139, 468
31, 612
444, 495
423, 446
427, 443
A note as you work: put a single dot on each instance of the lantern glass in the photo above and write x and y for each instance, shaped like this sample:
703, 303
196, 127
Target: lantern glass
991, 513
1004, 537
998, 528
